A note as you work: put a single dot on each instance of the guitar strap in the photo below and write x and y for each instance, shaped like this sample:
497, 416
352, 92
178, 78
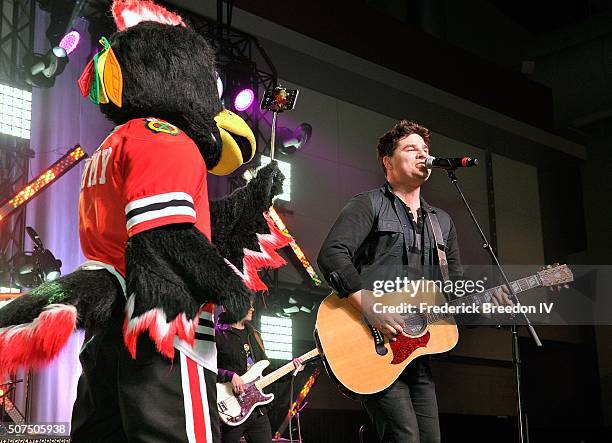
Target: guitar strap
434, 225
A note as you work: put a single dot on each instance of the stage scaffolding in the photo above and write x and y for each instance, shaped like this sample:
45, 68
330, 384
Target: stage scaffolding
16, 40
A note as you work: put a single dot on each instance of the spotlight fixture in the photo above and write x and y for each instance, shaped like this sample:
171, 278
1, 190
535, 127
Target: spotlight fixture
33, 269
70, 41
38, 266
41, 70
239, 88
290, 141
244, 99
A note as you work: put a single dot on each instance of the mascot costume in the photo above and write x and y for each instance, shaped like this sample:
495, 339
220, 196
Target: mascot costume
160, 255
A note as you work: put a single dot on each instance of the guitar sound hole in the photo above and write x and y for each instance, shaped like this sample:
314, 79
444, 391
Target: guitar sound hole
415, 324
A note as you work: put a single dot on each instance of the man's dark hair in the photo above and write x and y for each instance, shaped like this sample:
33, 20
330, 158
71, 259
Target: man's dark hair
388, 142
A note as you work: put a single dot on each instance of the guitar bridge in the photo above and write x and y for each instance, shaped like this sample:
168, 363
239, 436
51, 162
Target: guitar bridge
379, 341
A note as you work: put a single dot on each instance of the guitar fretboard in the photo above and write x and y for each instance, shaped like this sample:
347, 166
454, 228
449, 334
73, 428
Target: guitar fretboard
283, 370
518, 286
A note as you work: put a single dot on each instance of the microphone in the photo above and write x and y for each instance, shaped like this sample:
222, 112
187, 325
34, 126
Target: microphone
450, 163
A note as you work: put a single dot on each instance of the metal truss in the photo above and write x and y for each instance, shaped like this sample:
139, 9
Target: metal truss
16, 40
239, 52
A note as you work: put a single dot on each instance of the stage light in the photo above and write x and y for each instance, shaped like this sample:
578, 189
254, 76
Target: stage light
33, 269
70, 41
244, 99
41, 70
55, 171
277, 334
285, 168
289, 304
15, 111
38, 266
289, 141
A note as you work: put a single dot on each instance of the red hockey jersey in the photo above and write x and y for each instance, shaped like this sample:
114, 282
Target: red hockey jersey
147, 173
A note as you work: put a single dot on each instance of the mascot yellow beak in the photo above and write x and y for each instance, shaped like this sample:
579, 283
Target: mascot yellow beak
238, 143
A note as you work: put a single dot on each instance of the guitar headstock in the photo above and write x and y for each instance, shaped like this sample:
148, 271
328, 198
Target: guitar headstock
556, 276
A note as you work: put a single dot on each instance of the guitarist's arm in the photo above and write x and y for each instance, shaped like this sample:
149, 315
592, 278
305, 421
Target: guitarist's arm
224, 375
338, 251
336, 261
227, 360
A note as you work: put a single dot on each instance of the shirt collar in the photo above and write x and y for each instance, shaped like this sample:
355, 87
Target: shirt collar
386, 188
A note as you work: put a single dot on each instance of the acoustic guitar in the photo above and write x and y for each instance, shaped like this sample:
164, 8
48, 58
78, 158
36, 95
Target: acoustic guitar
235, 409
362, 361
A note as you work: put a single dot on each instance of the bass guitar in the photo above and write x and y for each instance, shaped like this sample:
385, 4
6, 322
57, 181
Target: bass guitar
235, 409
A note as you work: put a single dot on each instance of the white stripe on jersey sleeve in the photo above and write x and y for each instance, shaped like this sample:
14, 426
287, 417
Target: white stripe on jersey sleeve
159, 198
152, 215
206, 315
205, 330
157, 206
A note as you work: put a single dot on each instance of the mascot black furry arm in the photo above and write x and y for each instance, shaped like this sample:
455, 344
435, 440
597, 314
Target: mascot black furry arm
146, 224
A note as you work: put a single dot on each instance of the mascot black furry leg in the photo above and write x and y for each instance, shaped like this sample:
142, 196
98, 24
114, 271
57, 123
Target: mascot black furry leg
160, 254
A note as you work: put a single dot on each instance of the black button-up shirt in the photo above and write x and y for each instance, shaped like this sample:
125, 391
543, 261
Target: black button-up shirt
375, 238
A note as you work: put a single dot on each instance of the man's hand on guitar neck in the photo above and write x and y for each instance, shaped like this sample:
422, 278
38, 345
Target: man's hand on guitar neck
389, 324
501, 297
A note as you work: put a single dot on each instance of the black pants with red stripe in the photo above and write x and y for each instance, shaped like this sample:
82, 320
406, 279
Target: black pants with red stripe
150, 399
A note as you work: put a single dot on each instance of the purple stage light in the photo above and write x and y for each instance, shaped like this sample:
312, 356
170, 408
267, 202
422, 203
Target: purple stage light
70, 41
244, 99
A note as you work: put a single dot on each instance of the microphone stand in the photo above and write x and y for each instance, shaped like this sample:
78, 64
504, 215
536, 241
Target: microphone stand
291, 407
298, 421
516, 351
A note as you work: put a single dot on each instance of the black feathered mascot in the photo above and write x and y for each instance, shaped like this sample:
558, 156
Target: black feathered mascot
160, 255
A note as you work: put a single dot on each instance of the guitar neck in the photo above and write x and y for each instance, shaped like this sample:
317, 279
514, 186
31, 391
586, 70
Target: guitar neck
284, 370
518, 286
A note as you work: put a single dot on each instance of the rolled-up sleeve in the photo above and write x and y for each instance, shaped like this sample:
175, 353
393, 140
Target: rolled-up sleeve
336, 258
